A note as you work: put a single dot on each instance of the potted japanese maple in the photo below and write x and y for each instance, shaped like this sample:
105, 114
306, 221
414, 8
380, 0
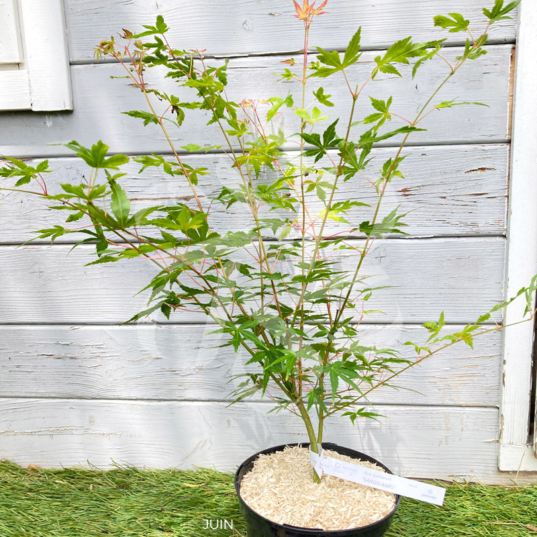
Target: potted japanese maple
275, 288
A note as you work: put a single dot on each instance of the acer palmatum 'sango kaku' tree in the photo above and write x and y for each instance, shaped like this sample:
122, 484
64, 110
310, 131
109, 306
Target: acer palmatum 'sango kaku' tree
274, 288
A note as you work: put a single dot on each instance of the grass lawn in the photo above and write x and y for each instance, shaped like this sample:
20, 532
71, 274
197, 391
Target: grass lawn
130, 502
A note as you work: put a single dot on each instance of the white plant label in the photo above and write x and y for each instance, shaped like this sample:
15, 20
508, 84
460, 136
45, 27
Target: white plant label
377, 480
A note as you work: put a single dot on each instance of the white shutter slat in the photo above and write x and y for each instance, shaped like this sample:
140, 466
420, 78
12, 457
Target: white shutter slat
15, 94
10, 45
46, 56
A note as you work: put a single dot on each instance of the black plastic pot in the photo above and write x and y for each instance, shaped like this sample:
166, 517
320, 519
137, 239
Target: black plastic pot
259, 526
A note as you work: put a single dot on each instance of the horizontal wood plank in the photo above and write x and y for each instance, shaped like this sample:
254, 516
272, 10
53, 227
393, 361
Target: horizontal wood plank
252, 27
519, 457
446, 191
187, 363
412, 441
15, 89
99, 101
463, 278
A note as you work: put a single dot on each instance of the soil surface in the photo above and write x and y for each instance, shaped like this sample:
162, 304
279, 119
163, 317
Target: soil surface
280, 487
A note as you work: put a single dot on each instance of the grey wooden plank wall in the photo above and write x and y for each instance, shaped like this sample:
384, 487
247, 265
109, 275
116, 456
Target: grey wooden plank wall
76, 386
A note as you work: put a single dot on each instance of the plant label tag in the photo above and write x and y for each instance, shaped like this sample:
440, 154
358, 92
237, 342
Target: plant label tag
377, 480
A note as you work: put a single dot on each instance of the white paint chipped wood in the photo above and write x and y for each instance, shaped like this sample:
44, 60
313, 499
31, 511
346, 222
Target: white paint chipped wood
520, 458
522, 249
15, 89
412, 441
98, 101
253, 27
463, 278
447, 190
187, 363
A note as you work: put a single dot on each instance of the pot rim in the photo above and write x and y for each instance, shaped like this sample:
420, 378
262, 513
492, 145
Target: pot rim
314, 531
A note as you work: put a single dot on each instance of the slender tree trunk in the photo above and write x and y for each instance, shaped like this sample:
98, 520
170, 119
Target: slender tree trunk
311, 434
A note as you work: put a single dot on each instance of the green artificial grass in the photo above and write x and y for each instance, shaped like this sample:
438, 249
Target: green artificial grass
131, 502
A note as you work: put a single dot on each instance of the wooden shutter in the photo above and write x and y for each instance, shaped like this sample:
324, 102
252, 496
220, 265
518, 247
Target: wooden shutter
34, 63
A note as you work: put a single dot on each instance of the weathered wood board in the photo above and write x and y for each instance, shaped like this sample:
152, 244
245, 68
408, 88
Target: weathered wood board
187, 363
252, 27
453, 191
412, 441
518, 398
99, 100
463, 278
15, 84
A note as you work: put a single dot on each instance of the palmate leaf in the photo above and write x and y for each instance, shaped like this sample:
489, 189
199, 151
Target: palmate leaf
456, 22
472, 53
181, 218
381, 106
427, 56
390, 169
148, 117
400, 52
159, 28
80, 191
238, 128
498, 12
278, 102
96, 156
433, 327
169, 167
342, 207
332, 60
316, 397
287, 75
383, 112
274, 223
194, 173
363, 413
353, 164
22, 170
51, 233
391, 223
353, 48
322, 97
329, 139
315, 116
139, 218
347, 371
